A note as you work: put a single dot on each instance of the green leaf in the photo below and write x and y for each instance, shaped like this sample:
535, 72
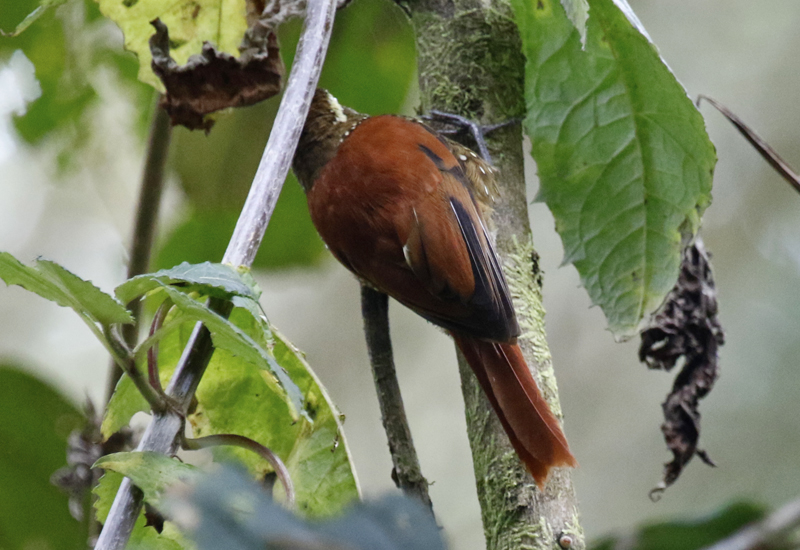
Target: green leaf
227, 336
227, 510
52, 282
151, 472
217, 280
142, 537
624, 160
687, 534
190, 23
35, 421
234, 397
320, 462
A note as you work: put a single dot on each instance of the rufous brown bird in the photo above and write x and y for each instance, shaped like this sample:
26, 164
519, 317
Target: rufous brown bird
400, 206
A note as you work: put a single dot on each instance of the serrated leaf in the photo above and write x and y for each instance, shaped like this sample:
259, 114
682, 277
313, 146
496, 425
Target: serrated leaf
234, 512
190, 23
624, 160
217, 280
234, 397
227, 336
52, 282
151, 472
35, 421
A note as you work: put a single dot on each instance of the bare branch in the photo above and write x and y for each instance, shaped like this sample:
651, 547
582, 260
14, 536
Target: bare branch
407, 474
763, 148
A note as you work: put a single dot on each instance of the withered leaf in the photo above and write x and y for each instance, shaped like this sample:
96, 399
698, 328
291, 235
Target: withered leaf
213, 80
686, 327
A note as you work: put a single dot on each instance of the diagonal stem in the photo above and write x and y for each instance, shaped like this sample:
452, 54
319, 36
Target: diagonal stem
407, 474
145, 226
163, 430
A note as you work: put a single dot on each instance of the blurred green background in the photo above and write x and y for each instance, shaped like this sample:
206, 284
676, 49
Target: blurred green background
69, 173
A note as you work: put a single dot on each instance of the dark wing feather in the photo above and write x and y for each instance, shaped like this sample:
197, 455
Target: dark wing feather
491, 297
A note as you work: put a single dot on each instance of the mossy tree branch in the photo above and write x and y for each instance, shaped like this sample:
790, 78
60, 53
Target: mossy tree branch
470, 63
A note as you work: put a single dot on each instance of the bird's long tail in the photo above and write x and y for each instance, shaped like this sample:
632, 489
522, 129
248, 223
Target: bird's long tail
532, 428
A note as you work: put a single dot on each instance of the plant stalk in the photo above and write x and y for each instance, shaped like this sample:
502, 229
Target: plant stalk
162, 432
407, 474
145, 226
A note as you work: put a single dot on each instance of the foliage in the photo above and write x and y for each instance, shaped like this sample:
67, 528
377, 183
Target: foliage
37, 420
228, 510
624, 160
66, 46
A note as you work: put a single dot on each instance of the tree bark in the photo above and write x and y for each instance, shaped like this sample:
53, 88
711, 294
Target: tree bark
470, 63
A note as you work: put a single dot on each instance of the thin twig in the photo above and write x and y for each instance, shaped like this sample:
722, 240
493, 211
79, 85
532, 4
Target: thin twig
243, 442
145, 226
124, 359
771, 532
764, 149
406, 473
163, 430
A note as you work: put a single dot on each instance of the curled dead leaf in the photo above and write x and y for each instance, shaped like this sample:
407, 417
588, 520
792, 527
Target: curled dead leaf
685, 328
213, 80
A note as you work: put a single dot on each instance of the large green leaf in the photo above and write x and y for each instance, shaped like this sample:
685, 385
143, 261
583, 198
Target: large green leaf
624, 160
218, 280
235, 398
190, 23
52, 282
35, 421
232, 339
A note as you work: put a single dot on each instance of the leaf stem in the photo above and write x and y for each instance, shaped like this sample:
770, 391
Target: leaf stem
194, 444
406, 473
123, 357
163, 430
152, 351
144, 227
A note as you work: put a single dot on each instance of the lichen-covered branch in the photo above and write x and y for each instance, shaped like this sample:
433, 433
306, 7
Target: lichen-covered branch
470, 63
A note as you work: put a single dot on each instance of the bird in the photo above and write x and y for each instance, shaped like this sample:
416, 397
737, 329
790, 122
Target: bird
402, 207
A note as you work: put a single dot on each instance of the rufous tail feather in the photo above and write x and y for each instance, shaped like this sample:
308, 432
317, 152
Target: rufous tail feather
532, 428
